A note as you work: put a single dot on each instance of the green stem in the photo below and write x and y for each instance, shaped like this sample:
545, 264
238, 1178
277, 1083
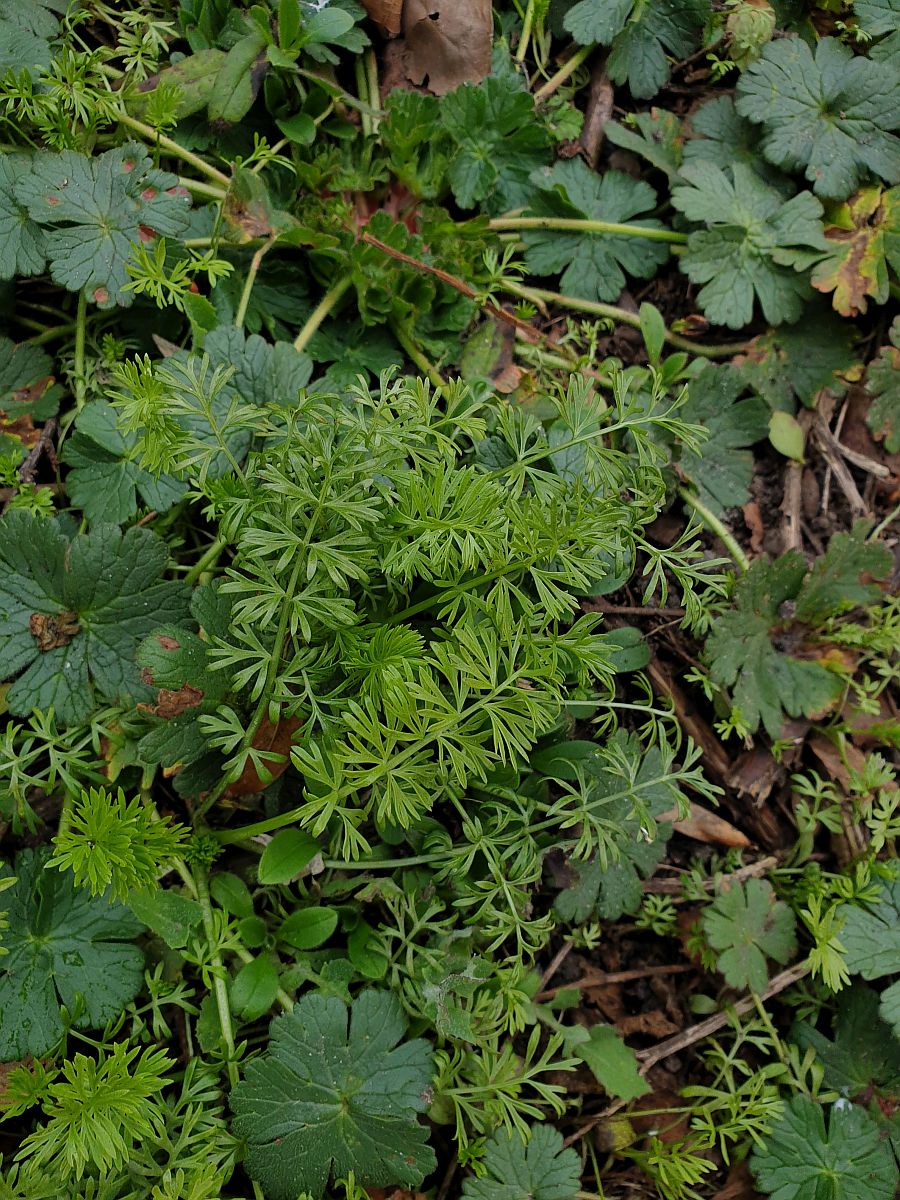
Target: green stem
528, 23
569, 67
255, 262
322, 310
583, 225
202, 189
220, 987
362, 86
80, 332
173, 148
614, 313
207, 559
414, 352
714, 525
47, 335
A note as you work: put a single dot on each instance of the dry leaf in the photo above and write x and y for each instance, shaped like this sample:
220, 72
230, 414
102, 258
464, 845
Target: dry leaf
447, 42
704, 826
386, 13
276, 738
53, 630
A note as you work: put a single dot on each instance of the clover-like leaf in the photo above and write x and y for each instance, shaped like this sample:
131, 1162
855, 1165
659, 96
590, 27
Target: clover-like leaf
747, 925
94, 210
62, 942
830, 115
513, 1169
593, 265
863, 239
802, 1160
641, 32
106, 476
498, 143
754, 244
336, 1092
883, 385
73, 611
722, 468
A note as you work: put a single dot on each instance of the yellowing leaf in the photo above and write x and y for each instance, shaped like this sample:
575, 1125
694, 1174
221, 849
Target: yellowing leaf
864, 237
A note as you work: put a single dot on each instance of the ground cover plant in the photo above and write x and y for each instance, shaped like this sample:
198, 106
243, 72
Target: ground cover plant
449, 625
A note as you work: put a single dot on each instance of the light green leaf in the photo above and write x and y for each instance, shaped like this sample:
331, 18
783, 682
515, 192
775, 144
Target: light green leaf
308, 928
747, 924
289, 851
613, 1063
254, 987
786, 435
594, 266
173, 916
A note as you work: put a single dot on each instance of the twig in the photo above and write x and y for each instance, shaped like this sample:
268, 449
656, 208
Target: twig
452, 281
601, 978
28, 469
555, 963
666, 887
704, 1029
614, 313
597, 112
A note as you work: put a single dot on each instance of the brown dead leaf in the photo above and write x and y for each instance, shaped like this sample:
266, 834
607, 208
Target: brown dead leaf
447, 42
754, 522
52, 630
705, 826
386, 13
32, 393
21, 428
738, 1185
275, 738
172, 702
654, 1023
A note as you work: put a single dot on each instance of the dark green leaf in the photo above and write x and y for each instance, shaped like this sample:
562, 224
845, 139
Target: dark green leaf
61, 941
336, 1091
722, 469
308, 928
613, 1063
883, 385
593, 265
513, 1169
747, 925
829, 114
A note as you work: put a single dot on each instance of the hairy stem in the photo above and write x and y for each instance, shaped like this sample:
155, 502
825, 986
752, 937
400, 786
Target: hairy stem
583, 225
323, 309
569, 67
614, 313
174, 149
716, 526
80, 333
414, 352
255, 263
220, 987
